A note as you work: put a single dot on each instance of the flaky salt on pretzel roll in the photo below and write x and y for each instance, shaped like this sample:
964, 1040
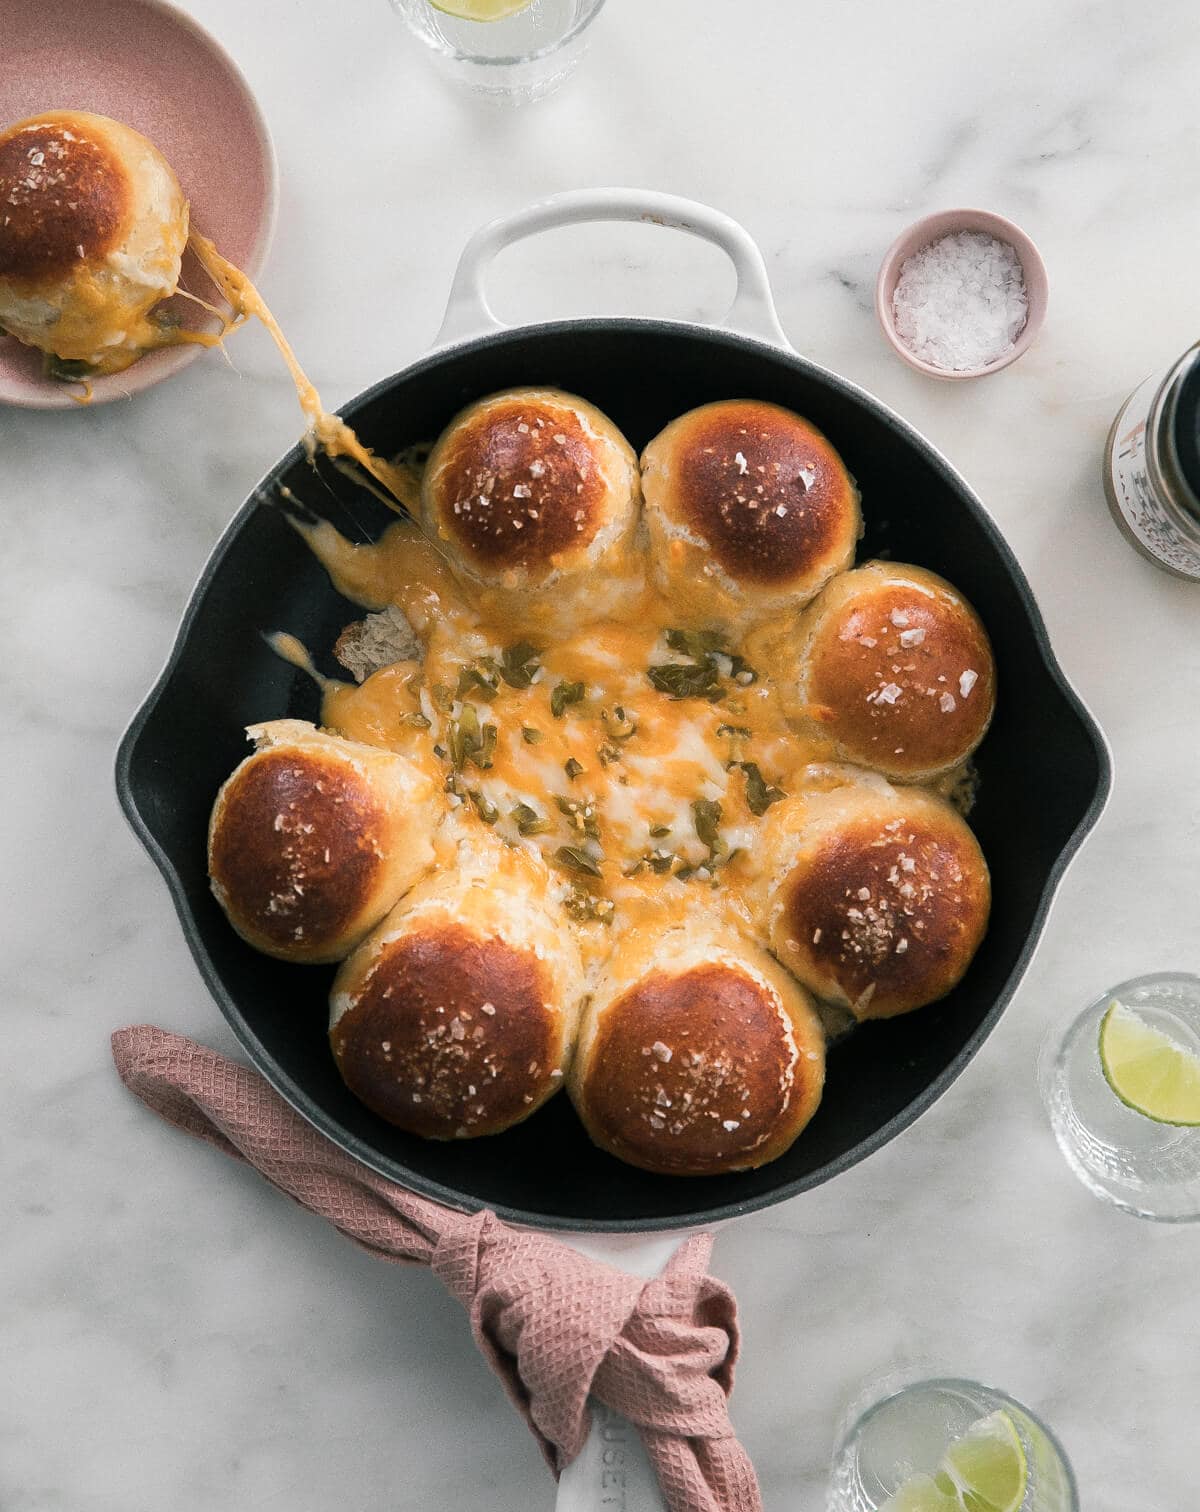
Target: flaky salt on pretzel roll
698, 1055
314, 838
875, 897
750, 511
457, 1017
92, 231
897, 667
535, 497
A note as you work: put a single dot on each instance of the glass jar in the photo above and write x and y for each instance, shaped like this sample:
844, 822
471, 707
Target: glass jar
1152, 468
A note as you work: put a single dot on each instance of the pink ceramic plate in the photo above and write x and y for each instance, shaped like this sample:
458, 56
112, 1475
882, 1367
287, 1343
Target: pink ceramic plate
145, 63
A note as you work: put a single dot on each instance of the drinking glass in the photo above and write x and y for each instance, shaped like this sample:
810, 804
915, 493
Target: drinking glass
518, 58
907, 1428
1146, 1168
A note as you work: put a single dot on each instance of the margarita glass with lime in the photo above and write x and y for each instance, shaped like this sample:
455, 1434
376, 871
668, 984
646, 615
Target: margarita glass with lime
1122, 1088
510, 50
949, 1445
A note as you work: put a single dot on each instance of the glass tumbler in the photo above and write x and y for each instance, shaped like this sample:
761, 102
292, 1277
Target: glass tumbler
896, 1435
1149, 1169
515, 59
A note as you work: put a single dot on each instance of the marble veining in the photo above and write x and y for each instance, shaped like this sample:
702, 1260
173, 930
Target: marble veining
174, 1334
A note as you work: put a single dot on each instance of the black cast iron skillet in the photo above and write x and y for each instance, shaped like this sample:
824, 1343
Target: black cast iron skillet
1044, 768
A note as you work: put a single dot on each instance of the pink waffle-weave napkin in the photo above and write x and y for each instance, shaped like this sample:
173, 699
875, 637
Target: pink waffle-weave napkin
555, 1326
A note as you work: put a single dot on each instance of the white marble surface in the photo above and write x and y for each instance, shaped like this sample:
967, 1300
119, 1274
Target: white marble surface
172, 1334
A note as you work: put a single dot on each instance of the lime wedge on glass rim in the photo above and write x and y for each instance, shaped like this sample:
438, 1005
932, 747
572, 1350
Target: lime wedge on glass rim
983, 1471
1148, 1070
480, 10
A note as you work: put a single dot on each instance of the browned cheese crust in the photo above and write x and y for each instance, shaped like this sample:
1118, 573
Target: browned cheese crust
765, 490
518, 484
295, 850
885, 914
63, 199
899, 670
448, 1034
696, 1074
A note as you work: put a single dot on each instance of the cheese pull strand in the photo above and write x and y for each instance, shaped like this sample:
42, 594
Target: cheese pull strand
327, 432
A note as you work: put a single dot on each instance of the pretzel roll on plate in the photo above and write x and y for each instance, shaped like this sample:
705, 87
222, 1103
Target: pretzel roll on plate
536, 497
750, 510
897, 667
876, 897
698, 1055
93, 229
314, 838
457, 1017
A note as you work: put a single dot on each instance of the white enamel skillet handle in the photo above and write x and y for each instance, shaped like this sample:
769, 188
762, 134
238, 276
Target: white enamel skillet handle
613, 1474
753, 310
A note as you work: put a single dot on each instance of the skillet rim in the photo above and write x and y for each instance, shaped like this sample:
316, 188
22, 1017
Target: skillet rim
286, 1085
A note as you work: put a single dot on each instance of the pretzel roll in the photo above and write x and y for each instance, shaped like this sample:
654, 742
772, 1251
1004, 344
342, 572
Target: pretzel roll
536, 497
898, 668
457, 1016
314, 838
93, 229
697, 1055
876, 897
750, 510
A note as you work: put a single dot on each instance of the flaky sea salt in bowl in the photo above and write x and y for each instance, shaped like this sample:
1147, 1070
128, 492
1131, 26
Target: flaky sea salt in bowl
961, 294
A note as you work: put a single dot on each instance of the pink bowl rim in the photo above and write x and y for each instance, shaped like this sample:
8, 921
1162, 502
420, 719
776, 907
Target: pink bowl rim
161, 365
942, 223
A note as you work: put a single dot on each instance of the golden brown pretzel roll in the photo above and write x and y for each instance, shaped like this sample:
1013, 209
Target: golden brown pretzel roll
536, 496
876, 897
313, 838
93, 230
697, 1055
749, 509
898, 668
457, 1016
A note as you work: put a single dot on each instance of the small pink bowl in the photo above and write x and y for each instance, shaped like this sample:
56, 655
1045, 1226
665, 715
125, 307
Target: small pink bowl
944, 223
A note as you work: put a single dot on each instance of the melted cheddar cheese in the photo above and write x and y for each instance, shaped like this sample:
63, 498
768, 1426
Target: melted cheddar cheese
642, 796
